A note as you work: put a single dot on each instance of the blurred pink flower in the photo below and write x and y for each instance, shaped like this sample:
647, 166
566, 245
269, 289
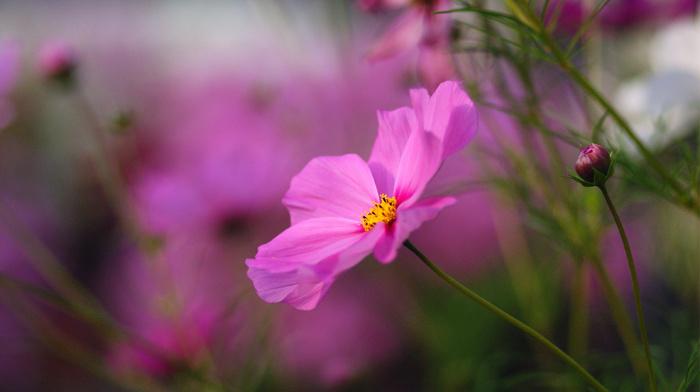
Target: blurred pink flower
417, 27
219, 149
164, 347
9, 71
628, 13
619, 14
56, 59
377, 5
350, 335
215, 156
329, 233
177, 308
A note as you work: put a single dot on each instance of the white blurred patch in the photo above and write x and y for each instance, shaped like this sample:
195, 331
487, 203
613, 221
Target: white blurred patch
664, 106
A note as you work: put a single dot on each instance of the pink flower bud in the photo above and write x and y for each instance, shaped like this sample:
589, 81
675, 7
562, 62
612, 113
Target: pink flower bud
591, 158
56, 60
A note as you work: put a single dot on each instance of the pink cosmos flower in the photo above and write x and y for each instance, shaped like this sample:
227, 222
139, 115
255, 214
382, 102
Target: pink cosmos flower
343, 208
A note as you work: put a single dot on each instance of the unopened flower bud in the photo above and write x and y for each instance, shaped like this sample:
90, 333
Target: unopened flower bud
591, 159
56, 61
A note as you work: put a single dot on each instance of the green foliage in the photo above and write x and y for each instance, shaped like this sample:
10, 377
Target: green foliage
692, 370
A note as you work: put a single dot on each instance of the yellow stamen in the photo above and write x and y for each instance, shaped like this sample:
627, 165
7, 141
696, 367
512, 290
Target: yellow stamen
385, 211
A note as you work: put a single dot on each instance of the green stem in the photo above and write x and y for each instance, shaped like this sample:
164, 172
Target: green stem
84, 303
517, 323
110, 176
635, 285
578, 325
63, 345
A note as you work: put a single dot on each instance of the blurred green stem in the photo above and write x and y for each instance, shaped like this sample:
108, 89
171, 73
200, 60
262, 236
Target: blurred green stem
54, 272
517, 323
109, 174
66, 346
117, 193
578, 322
621, 318
635, 285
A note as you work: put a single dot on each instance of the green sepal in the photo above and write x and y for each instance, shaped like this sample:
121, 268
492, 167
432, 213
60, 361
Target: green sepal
575, 177
598, 177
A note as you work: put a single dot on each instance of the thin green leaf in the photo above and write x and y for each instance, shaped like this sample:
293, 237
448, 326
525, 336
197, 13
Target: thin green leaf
597, 128
584, 27
692, 370
492, 15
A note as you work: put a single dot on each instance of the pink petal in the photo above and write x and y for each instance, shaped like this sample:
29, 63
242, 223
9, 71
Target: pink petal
353, 255
303, 283
340, 186
403, 34
451, 116
312, 240
419, 162
395, 127
419, 100
387, 248
300, 288
409, 219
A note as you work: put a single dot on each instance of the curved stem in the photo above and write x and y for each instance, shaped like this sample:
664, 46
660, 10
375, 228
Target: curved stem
635, 285
517, 323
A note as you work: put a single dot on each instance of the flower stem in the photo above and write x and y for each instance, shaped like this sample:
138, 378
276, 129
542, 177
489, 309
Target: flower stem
635, 285
110, 176
84, 303
517, 323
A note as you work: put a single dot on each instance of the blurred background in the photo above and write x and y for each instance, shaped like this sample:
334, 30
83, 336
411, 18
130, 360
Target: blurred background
145, 147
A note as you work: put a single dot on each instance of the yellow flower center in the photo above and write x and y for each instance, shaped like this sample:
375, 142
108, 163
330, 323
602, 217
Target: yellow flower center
384, 211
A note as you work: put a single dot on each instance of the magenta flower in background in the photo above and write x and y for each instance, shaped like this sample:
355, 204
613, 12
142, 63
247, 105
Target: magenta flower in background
164, 347
629, 13
620, 14
178, 309
349, 336
330, 233
56, 60
419, 27
9, 70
